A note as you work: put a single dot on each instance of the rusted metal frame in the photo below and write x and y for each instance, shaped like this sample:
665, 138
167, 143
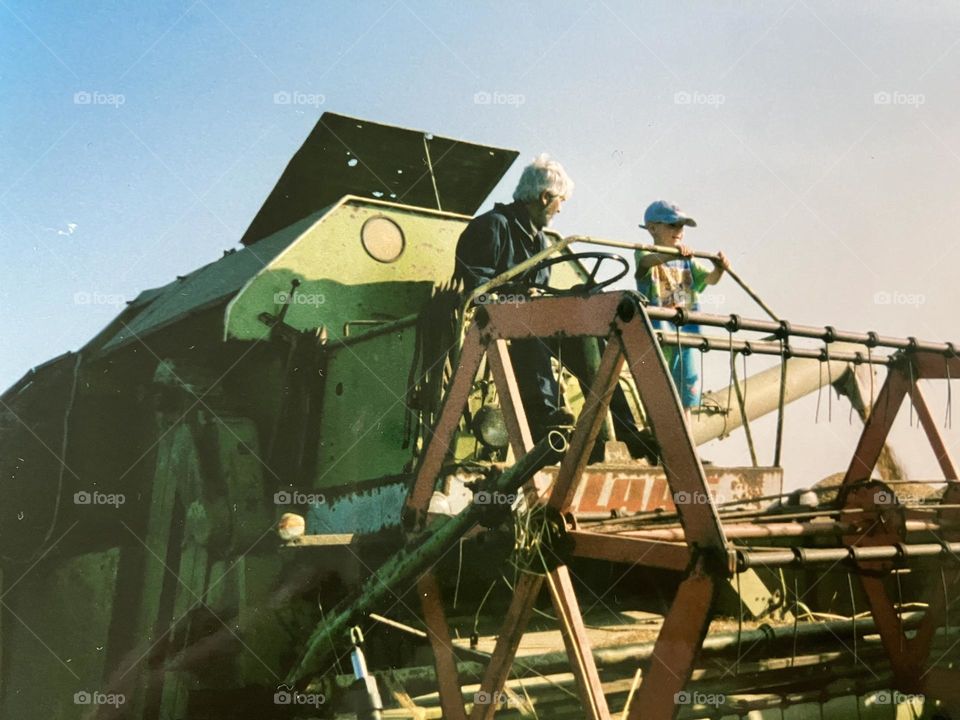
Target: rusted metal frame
684, 472
518, 615
865, 456
591, 419
878, 426
629, 550
935, 365
745, 530
578, 644
764, 347
518, 429
418, 499
929, 350
919, 645
906, 656
804, 557
947, 466
445, 662
676, 649
555, 317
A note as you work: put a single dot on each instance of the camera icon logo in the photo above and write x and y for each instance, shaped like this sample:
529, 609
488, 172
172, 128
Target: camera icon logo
82, 698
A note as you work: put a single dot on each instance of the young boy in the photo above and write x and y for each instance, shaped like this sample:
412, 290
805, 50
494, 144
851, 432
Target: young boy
671, 281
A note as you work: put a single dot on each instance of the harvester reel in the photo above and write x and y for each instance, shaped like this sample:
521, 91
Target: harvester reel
875, 517
591, 285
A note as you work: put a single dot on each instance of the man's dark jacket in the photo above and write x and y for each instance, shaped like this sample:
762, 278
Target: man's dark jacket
495, 242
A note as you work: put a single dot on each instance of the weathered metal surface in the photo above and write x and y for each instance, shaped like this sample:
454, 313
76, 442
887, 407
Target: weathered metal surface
203, 288
339, 282
414, 559
349, 156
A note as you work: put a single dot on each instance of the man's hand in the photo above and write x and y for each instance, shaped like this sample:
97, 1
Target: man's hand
722, 261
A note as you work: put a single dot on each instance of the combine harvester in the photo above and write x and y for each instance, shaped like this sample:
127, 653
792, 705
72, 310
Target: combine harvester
326, 377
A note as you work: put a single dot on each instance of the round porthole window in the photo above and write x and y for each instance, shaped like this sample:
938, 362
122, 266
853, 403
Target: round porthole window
382, 239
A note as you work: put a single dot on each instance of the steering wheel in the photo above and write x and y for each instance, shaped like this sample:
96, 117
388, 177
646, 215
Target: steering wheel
590, 285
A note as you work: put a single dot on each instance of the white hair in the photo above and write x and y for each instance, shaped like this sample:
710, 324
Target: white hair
544, 174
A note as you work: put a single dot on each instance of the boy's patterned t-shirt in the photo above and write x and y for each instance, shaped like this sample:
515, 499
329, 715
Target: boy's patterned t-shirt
676, 283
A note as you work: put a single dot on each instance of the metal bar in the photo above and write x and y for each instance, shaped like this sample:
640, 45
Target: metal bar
930, 352
766, 347
664, 250
773, 530
933, 366
940, 449
680, 461
588, 426
890, 626
518, 615
877, 427
511, 405
676, 648
434, 454
549, 317
629, 550
448, 679
577, 643
802, 557
382, 329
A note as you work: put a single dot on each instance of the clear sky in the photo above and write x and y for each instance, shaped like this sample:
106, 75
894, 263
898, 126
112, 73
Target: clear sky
817, 143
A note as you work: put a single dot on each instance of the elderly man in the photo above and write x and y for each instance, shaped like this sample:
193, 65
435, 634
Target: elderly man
504, 237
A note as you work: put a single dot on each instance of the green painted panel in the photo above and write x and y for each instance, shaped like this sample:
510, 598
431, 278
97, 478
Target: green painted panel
364, 410
57, 621
340, 282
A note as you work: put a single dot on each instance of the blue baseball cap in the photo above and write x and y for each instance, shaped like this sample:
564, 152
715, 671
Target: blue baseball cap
661, 211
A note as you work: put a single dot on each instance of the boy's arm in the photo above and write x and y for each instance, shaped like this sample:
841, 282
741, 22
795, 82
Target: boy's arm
647, 260
720, 265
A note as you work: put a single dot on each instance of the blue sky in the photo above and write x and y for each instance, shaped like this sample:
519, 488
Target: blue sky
817, 143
